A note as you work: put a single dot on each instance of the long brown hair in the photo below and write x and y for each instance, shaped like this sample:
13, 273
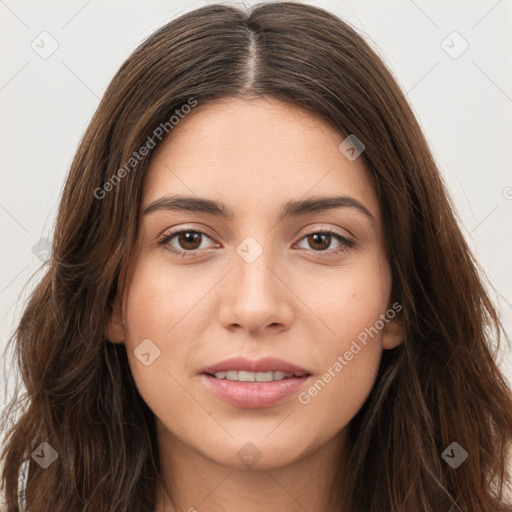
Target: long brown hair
442, 385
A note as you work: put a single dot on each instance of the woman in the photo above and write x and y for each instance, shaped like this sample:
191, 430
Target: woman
258, 297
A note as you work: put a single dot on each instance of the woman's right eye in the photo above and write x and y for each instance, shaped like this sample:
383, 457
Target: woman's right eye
188, 240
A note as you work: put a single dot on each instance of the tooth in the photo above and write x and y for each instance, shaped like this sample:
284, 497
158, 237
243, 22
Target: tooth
246, 376
264, 376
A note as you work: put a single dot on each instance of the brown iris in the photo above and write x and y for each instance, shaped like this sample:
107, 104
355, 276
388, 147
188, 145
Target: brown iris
188, 238
315, 239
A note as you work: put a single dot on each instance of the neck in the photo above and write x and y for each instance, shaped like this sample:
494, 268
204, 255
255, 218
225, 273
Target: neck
199, 483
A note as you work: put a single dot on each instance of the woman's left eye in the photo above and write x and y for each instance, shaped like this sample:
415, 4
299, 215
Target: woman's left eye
323, 239
190, 241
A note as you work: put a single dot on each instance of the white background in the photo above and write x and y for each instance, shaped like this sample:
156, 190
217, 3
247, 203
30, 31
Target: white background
464, 106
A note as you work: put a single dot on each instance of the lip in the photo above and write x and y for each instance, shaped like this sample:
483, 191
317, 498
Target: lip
254, 395
265, 364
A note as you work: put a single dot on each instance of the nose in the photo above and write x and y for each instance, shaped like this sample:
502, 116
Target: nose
255, 296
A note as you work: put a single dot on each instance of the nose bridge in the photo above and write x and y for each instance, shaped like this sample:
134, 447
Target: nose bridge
255, 295
252, 272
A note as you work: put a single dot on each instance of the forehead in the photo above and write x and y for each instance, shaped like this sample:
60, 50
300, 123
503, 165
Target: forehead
255, 153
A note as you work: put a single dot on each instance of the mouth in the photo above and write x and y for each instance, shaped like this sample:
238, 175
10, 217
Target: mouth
254, 384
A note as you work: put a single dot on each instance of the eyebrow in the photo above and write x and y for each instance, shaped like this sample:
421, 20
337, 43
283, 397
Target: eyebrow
289, 209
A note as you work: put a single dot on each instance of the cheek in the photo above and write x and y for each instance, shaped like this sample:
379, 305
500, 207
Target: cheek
154, 306
350, 362
347, 300
158, 299
351, 350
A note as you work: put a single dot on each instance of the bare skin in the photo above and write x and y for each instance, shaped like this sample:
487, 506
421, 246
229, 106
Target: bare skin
304, 300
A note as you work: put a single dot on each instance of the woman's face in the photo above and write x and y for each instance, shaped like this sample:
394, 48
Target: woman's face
261, 281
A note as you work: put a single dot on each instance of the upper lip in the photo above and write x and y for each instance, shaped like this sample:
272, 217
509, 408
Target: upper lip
265, 364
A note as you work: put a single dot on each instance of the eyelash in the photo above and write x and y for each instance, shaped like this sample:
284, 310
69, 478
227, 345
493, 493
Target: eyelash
346, 244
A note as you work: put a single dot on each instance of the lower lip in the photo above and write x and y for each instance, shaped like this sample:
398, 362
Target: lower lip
253, 395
